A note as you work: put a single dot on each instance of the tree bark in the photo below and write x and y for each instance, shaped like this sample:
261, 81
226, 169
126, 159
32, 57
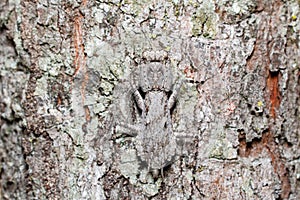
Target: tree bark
65, 79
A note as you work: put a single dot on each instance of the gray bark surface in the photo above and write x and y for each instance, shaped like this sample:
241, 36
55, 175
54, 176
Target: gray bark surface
69, 124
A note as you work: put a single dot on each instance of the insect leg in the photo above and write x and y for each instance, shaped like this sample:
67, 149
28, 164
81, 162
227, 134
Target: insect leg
133, 130
174, 94
139, 100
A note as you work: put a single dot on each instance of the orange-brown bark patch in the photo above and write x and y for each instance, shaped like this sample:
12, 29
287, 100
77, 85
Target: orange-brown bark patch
273, 88
80, 58
267, 143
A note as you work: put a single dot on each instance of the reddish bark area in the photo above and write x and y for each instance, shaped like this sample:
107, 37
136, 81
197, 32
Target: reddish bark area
80, 57
273, 88
266, 146
261, 56
79, 61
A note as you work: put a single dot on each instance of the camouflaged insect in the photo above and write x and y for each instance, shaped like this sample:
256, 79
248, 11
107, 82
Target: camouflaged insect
145, 105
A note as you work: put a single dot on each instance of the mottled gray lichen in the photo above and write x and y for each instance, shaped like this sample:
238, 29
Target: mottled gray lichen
236, 117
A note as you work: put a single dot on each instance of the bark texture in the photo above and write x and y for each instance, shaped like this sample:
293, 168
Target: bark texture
64, 68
